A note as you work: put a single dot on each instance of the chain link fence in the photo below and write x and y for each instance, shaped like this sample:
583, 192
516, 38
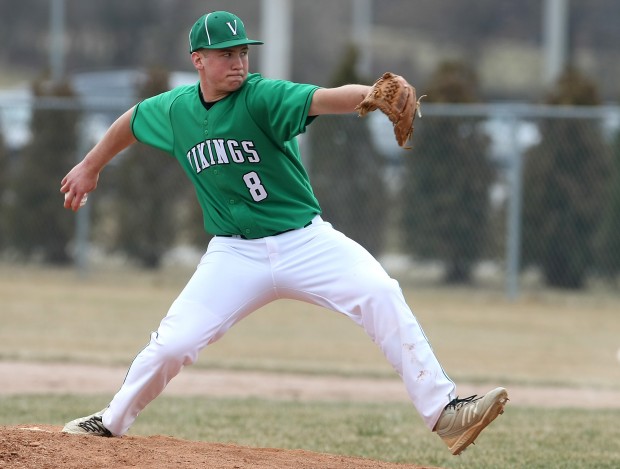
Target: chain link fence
508, 196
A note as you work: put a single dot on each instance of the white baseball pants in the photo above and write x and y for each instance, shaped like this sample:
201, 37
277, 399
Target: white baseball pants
316, 264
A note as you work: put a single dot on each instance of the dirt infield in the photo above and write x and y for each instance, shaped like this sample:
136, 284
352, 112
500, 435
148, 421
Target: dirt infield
45, 447
63, 378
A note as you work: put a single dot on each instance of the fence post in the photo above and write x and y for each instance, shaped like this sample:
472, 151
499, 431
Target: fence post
513, 232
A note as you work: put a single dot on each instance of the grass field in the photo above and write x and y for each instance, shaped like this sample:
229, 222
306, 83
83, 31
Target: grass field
523, 438
546, 338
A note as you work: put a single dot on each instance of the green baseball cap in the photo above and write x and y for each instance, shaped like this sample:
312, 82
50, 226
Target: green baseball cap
218, 30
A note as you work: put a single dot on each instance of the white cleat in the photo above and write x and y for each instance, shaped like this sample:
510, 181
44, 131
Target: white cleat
91, 425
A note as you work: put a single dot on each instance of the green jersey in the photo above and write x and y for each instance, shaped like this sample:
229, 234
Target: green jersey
241, 154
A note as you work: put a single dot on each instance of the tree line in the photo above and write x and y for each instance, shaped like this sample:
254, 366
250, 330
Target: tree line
571, 204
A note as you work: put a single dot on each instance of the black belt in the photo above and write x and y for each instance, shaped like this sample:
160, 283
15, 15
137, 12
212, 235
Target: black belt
275, 234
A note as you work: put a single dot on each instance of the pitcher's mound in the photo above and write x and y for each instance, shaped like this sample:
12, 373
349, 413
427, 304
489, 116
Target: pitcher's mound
46, 447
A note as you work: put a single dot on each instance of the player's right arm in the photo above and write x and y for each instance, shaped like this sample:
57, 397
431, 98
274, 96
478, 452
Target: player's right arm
83, 178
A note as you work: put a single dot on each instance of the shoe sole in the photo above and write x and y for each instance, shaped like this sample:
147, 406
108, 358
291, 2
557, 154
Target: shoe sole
80, 431
72, 432
471, 434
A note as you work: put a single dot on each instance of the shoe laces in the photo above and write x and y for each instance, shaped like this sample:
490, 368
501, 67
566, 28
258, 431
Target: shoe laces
458, 403
95, 425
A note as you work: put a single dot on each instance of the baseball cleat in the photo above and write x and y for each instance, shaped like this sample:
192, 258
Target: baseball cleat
462, 420
91, 425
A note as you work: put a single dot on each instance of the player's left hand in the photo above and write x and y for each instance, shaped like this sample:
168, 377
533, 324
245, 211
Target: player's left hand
396, 98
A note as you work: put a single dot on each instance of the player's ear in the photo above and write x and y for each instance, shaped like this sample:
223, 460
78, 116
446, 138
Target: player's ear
198, 60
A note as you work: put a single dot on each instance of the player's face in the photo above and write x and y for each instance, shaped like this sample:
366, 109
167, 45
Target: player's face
225, 70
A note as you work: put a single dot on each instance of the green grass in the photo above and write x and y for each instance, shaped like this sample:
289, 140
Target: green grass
521, 438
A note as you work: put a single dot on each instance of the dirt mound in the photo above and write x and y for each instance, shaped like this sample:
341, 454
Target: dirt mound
46, 447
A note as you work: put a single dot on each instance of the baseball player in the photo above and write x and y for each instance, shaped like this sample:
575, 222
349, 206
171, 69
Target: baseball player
234, 134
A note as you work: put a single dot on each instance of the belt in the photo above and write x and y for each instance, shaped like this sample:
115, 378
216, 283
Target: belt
317, 218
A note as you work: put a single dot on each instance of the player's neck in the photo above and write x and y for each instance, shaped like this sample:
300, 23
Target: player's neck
207, 104
209, 96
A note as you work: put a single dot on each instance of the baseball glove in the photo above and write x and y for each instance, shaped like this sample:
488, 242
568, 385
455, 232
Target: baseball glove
396, 98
